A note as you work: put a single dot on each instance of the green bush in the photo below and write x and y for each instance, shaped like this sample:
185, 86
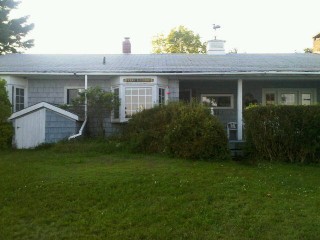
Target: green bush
178, 129
283, 133
145, 131
6, 133
194, 133
5, 111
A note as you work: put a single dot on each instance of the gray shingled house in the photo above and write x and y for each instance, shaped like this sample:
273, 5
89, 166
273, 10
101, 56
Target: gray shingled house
225, 82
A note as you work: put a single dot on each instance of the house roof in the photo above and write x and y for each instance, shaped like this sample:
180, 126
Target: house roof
158, 63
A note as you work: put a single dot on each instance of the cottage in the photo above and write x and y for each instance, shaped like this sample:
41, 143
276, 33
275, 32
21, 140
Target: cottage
226, 82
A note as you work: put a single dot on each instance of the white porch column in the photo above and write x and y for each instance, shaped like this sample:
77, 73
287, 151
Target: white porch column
239, 110
85, 96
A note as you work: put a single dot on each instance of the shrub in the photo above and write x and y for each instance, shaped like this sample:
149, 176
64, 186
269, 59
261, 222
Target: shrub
179, 129
6, 133
5, 111
145, 131
284, 133
194, 133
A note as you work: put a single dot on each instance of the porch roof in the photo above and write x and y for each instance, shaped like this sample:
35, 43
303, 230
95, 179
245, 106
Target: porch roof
158, 63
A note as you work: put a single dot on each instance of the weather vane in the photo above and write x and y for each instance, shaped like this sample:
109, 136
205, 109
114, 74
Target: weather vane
215, 27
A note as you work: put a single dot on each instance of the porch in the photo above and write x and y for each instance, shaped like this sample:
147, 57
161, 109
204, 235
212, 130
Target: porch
232, 93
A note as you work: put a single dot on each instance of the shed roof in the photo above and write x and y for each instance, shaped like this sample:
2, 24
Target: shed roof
41, 105
158, 63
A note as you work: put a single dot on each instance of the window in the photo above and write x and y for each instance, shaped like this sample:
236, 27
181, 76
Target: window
137, 99
116, 112
19, 99
306, 99
137, 93
72, 94
218, 101
287, 96
270, 98
162, 96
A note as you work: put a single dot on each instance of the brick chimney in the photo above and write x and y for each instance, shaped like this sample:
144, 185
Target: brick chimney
126, 46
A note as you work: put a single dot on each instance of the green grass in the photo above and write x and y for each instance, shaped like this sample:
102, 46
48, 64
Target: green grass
78, 191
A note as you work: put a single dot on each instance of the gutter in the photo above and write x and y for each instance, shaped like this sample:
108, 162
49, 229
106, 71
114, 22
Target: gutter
85, 111
178, 73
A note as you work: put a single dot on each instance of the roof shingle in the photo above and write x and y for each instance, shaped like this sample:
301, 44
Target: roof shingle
159, 63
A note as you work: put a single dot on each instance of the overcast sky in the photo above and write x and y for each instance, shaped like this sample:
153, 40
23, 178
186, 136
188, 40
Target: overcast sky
99, 26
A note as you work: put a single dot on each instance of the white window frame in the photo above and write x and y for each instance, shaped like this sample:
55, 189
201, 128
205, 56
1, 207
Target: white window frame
14, 97
297, 91
220, 95
153, 82
138, 88
71, 88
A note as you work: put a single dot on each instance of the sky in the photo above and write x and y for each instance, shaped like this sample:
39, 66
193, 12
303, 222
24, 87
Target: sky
99, 26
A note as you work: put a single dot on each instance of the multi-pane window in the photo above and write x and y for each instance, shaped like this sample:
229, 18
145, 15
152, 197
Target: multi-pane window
19, 100
72, 94
287, 96
137, 99
162, 96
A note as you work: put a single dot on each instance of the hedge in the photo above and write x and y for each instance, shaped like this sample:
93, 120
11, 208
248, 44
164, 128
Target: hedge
178, 129
283, 133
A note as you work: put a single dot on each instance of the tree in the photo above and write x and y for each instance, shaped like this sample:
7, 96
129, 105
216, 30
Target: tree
13, 31
307, 50
179, 40
5, 111
100, 104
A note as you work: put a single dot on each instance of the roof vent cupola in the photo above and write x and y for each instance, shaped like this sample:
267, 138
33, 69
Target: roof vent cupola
216, 46
126, 46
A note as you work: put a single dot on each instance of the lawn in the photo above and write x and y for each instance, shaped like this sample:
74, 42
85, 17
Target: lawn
79, 192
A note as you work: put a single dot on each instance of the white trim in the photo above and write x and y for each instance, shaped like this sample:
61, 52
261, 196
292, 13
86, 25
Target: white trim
127, 74
44, 105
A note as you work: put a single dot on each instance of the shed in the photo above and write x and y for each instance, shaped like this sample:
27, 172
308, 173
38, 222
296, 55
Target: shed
43, 123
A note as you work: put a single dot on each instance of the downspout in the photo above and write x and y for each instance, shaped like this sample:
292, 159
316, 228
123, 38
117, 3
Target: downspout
85, 110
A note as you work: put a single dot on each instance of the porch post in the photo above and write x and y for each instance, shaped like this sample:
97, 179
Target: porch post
85, 96
239, 110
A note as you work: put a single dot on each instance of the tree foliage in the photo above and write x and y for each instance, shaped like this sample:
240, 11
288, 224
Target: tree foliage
13, 31
5, 111
308, 50
179, 40
100, 104
5, 106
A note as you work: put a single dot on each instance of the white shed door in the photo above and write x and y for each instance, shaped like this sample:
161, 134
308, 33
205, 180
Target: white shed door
30, 129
